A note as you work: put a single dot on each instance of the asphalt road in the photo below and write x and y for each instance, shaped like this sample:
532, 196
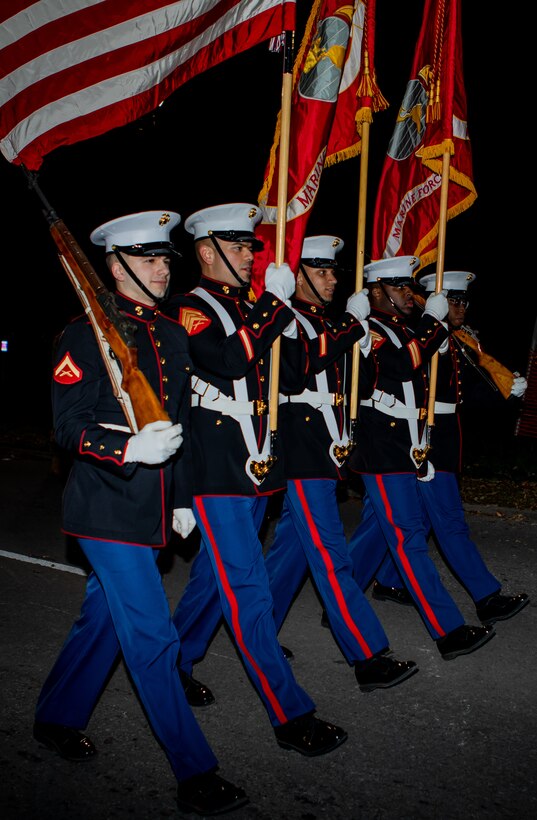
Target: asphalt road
455, 741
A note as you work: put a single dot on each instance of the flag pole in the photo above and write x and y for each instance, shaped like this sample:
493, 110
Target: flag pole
281, 219
371, 100
360, 246
440, 262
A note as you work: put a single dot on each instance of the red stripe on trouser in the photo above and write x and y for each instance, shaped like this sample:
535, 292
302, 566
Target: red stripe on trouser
404, 560
331, 575
230, 595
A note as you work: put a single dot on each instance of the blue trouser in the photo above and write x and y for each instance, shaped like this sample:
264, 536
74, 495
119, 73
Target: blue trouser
443, 510
231, 559
198, 614
126, 609
396, 500
310, 534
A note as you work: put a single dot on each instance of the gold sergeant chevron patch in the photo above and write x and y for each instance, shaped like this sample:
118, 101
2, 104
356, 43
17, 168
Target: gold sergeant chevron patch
193, 321
376, 338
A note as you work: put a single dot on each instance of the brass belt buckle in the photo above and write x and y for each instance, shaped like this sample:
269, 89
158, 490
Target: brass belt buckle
419, 456
339, 398
423, 413
260, 407
342, 452
260, 469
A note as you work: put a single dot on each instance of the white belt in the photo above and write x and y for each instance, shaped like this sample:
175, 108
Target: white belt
442, 407
208, 396
120, 427
388, 404
314, 397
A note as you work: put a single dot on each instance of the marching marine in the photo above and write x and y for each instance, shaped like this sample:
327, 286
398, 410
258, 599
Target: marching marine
236, 465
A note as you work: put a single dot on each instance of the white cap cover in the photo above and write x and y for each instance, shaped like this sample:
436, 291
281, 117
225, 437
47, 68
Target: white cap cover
396, 267
453, 280
233, 222
320, 251
142, 234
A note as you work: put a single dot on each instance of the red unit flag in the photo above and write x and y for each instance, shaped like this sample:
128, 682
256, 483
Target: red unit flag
334, 89
431, 119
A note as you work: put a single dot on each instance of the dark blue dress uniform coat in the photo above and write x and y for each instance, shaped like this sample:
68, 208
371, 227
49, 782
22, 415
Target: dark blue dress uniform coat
104, 497
384, 441
459, 384
220, 450
305, 435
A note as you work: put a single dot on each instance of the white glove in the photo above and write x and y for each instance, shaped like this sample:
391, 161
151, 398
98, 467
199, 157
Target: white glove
519, 386
155, 443
358, 304
280, 281
437, 305
365, 341
291, 331
444, 347
183, 521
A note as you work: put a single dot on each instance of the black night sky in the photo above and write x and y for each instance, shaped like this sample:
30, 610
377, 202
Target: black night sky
209, 144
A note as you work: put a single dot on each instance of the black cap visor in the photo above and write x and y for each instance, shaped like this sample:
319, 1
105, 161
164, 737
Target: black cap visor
239, 236
318, 262
147, 249
396, 281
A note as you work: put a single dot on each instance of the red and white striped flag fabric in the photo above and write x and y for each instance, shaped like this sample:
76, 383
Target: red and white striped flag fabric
334, 85
73, 69
431, 119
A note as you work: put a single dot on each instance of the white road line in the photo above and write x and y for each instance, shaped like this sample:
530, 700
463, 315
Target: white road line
41, 561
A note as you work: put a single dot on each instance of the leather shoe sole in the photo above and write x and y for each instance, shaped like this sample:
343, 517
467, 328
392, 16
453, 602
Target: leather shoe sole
500, 607
197, 694
383, 673
67, 742
208, 794
397, 595
310, 736
464, 640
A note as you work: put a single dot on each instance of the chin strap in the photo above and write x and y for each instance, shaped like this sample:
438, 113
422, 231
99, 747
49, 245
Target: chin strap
324, 302
227, 263
390, 300
156, 299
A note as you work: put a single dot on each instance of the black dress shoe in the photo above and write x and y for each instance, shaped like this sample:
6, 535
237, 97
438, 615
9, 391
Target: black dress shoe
309, 735
381, 672
463, 640
209, 794
287, 653
197, 694
67, 742
399, 595
500, 607
324, 620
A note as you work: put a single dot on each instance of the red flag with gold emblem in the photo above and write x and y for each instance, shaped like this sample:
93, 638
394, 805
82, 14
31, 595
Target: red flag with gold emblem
431, 119
334, 90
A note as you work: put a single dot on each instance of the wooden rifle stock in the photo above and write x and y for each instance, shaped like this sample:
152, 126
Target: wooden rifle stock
114, 325
113, 330
500, 375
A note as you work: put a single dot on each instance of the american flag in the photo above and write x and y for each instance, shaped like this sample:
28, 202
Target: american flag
74, 69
